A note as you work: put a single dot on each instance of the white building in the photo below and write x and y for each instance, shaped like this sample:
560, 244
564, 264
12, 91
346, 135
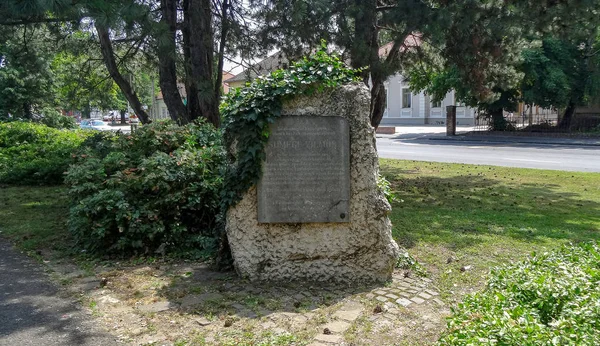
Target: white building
405, 108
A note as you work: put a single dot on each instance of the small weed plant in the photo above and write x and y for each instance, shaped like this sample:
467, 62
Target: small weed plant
549, 299
384, 185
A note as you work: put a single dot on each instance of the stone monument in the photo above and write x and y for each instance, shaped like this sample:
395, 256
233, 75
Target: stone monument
317, 213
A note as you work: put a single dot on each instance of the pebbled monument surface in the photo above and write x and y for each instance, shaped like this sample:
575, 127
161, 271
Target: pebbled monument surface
360, 249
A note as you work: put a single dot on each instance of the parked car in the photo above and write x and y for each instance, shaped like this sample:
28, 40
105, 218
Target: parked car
106, 117
98, 125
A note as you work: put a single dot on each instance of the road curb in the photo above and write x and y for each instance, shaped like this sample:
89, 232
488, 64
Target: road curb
528, 140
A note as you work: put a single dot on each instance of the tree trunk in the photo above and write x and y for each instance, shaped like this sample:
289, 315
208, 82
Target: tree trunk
199, 24
224, 31
27, 111
191, 85
565, 122
498, 121
365, 52
87, 111
166, 64
111, 65
122, 113
378, 103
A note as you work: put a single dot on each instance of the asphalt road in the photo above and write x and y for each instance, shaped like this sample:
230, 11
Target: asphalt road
33, 312
427, 147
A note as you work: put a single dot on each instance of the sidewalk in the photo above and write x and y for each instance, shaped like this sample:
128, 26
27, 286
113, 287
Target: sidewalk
497, 138
466, 134
34, 312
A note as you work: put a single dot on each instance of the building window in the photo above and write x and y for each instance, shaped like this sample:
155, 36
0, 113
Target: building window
406, 98
437, 104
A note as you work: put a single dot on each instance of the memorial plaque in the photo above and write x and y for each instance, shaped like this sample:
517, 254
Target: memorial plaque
306, 173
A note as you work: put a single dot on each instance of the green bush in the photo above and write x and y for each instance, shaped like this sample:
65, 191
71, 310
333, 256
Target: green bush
154, 191
549, 299
33, 153
52, 118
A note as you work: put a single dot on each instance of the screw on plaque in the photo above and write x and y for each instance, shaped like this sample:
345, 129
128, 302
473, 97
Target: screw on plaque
342, 216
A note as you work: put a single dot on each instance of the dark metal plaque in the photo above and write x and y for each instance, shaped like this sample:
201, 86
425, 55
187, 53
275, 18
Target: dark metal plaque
306, 173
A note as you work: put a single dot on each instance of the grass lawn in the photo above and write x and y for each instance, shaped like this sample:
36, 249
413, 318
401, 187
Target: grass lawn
35, 218
457, 220
453, 216
449, 216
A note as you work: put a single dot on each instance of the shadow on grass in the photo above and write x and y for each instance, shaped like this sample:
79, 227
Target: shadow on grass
463, 210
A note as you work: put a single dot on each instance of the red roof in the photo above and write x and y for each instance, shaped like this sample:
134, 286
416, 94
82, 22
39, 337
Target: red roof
412, 40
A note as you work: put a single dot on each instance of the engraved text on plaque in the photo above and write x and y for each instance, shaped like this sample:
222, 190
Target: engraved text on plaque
306, 173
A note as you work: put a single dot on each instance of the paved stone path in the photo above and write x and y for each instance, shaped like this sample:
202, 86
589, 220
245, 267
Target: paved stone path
405, 291
402, 292
163, 304
32, 311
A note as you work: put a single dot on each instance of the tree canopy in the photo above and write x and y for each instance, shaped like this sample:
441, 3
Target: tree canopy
177, 37
471, 46
480, 49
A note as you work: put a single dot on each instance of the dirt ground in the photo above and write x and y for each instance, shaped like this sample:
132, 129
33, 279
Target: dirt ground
190, 304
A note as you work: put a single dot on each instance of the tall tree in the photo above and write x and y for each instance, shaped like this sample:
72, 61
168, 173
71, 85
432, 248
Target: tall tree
478, 42
27, 77
158, 30
562, 73
357, 27
481, 55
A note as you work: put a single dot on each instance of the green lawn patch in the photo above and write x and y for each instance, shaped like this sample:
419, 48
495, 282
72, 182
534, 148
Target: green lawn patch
450, 217
461, 220
35, 217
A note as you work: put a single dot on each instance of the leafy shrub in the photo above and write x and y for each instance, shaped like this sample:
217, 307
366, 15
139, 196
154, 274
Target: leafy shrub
48, 116
52, 118
34, 153
406, 262
549, 299
156, 190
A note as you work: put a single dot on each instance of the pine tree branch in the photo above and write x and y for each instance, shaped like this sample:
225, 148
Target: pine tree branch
385, 7
27, 21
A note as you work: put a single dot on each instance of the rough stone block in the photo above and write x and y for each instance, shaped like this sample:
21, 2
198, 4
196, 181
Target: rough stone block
417, 300
424, 295
404, 302
157, 307
349, 316
361, 250
337, 326
328, 338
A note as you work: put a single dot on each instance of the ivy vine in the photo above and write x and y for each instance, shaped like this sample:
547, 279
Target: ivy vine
248, 112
